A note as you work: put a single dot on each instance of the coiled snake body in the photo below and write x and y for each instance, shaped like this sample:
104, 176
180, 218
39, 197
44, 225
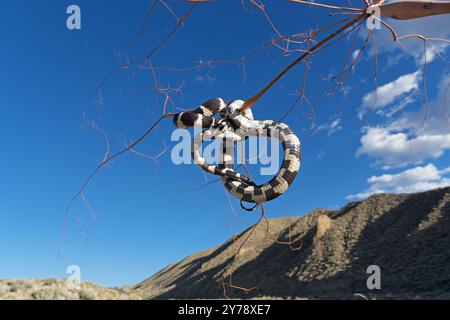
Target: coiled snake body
233, 126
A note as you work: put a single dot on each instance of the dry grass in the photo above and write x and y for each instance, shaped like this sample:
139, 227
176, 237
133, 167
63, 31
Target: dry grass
58, 289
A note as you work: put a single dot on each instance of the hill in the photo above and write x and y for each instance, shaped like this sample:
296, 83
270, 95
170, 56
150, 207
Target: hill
406, 235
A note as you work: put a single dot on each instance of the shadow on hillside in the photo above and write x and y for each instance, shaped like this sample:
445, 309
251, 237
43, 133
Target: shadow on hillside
190, 284
411, 261
409, 243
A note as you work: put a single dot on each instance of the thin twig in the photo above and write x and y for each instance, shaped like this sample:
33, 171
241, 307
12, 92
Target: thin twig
250, 102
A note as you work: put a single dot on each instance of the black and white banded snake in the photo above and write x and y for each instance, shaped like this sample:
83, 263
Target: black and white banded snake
233, 126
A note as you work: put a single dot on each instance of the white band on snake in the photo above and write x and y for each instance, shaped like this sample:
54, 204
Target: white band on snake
231, 127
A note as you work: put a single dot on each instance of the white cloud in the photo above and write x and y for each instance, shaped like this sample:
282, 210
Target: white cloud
417, 179
435, 121
413, 137
330, 128
389, 93
394, 149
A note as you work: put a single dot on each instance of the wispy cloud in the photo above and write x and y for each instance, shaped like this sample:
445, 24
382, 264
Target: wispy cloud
389, 93
412, 180
333, 126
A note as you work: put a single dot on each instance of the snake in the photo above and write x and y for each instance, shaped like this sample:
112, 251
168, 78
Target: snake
231, 126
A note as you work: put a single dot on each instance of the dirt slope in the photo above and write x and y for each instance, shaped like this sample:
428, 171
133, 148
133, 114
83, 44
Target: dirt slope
407, 236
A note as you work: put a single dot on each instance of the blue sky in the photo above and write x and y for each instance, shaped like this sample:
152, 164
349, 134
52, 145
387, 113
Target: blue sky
148, 215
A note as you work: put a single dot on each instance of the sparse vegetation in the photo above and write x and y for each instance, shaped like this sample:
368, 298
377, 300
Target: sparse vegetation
59, 289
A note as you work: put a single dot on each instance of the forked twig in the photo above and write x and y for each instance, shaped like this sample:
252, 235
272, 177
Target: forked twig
250, 102
106, 161
149, 54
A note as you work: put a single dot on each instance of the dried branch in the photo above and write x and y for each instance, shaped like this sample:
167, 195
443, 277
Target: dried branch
327, 6
406, 10
250, 102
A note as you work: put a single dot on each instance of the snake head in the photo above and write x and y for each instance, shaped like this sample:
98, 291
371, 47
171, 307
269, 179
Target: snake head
184, 120
233, 109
